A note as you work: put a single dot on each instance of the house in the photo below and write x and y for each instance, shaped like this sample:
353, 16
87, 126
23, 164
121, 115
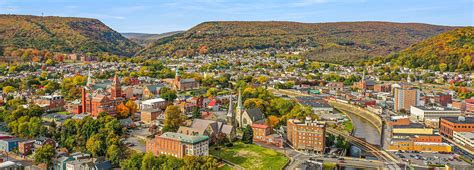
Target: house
151, 91
11, 165
41, 141
89, 164
8, 145
26, 147
264, 134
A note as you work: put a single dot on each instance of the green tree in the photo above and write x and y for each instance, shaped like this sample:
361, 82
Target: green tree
8, 89
134, 162
247, 136
45, 154
96, 145
114, 154
168, 94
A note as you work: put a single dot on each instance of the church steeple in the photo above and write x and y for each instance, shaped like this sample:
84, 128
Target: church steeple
177, 75
230, 112
239, 110
89, 79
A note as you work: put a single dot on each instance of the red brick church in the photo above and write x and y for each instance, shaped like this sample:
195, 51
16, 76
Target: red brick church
95, 103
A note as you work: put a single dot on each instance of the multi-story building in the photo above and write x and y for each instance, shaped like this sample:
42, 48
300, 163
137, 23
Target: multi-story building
410, 130
149, 115
94, 103
178, 145
405, 98
399, 120
421, 113
464, 138
26, 147
382, 87
264, 134
307, 135
410, 145
443, 99
8, 145
461, 105
51, 102
449, 125
469, 105
157, 103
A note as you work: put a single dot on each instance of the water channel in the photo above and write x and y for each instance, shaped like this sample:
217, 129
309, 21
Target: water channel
364, 129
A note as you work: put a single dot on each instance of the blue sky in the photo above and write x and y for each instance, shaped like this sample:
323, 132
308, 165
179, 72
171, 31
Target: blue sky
158, 16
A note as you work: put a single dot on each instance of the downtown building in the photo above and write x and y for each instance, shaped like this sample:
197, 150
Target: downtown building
178, 145
404, 98
307, 135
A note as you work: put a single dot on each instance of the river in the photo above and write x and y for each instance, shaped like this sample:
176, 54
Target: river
364, 129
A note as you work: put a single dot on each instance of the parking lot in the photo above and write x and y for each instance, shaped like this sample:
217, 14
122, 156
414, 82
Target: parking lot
431, 158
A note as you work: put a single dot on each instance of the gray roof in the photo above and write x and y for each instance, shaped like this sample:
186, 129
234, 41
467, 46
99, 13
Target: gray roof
191, 80
255, 114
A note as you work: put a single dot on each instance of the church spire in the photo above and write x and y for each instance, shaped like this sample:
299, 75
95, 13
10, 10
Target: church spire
89, 79
239, 110
177, 71
230, 112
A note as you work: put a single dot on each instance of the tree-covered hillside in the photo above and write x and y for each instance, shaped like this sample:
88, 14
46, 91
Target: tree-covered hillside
62, 34
334, 42
450, 51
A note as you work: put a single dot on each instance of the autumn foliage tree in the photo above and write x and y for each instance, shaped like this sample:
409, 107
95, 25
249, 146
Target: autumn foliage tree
173, 118
272, 121
123, 111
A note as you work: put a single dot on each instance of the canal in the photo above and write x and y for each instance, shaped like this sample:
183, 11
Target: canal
364, 129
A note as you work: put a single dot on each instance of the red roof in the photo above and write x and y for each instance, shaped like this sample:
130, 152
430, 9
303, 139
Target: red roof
260, 126
469, 100
212, 103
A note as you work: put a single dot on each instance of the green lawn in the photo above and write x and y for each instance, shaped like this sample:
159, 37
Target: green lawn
251, 156
225, 167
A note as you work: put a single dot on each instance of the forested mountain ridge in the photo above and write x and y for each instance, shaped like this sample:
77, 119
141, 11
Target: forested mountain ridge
62, 34
335, 42
449, 51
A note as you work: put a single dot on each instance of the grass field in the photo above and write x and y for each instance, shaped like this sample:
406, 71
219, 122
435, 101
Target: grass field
251, 156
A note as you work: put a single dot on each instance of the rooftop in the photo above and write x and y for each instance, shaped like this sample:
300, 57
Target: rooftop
424, 108
469, 135
151, 101
185, 138
411, 125
467, 120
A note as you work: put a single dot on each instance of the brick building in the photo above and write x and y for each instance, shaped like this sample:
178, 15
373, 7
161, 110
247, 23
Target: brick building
405, 98
470, 105
383, 88
51, 102
95, 103
449, 125
264, 134
178, 145
26, 147
149, 115
307, 135
183, 84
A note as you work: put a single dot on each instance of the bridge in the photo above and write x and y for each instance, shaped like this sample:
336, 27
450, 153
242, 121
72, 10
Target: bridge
370, 148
